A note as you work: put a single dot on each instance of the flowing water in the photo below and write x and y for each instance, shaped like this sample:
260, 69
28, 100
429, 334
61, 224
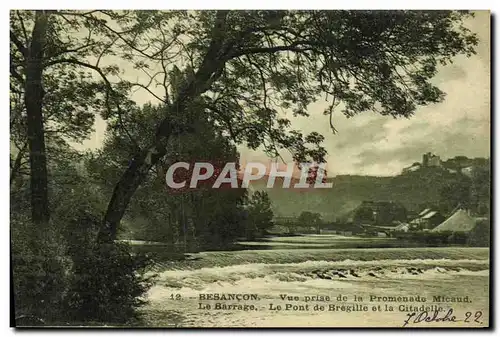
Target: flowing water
355, 287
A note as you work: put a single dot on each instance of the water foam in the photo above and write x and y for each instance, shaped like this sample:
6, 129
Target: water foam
200, 279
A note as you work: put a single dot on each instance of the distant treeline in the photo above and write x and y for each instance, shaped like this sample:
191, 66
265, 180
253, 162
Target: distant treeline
428, 187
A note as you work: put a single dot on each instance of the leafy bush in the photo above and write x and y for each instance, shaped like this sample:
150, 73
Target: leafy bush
480, 235
108, 281
62, 276
40, 270
108, 285
259, 215
310, 219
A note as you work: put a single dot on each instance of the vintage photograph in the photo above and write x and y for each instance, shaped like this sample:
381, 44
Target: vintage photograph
250, 169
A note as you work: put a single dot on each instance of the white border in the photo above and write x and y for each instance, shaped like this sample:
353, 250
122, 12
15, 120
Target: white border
257, 4
199, 4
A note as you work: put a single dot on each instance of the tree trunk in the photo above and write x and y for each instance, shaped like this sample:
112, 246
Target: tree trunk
209, 71
36, 133
128, 184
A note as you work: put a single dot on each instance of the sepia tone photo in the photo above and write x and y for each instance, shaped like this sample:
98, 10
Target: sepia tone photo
250, 169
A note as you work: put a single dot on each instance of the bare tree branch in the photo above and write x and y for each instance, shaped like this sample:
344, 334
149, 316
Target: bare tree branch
21, 22
22, 49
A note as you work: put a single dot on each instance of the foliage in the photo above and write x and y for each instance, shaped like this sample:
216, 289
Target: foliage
61, 276
40, 270
480, 236
109, 284
200, 217
480, 189
469, 191
379, 212
259, 214
273, 60
360, 60
456, 193
415, 191
228, 77
250, 67
53, 95
311, 219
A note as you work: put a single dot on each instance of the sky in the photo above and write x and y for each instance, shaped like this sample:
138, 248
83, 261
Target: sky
370, 144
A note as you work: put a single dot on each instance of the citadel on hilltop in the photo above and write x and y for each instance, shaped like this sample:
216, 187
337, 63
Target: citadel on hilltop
428, 160
457, 164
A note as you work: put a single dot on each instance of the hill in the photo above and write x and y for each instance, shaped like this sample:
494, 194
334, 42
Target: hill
413, 190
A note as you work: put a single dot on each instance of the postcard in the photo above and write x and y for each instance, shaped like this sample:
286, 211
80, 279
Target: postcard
250, 169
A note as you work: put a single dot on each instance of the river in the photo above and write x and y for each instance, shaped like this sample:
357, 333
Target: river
321, 286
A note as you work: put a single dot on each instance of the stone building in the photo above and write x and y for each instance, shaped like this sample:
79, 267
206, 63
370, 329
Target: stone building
431, 160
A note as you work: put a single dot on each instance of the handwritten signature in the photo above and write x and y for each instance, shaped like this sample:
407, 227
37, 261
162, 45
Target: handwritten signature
425, 316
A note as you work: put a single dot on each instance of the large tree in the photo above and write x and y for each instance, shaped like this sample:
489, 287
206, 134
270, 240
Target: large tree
247, 65
250, 66
54, 95
201, 216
